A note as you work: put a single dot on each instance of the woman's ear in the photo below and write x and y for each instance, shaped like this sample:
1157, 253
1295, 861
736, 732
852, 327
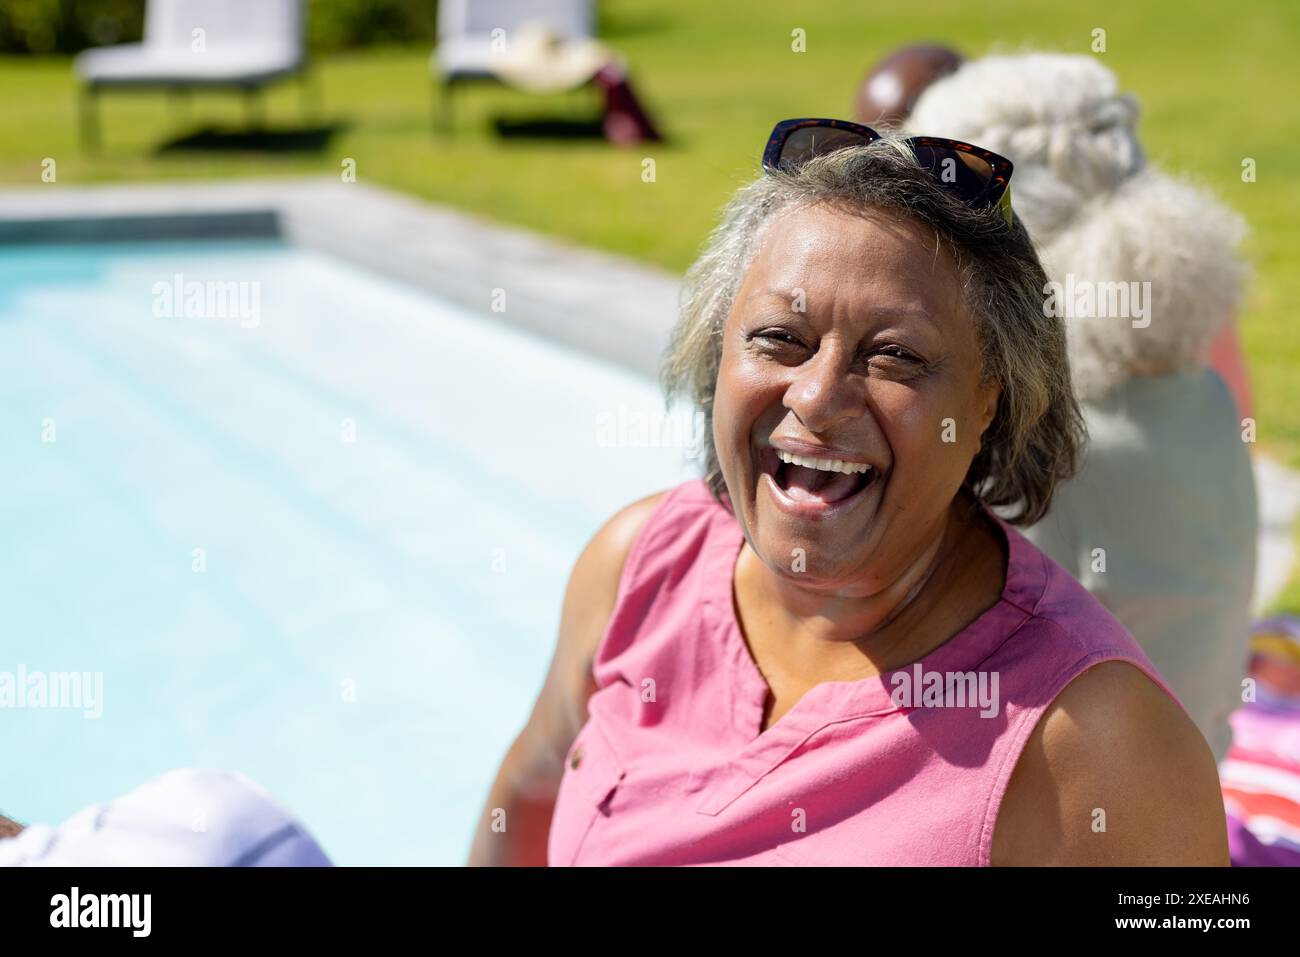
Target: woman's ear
990, 395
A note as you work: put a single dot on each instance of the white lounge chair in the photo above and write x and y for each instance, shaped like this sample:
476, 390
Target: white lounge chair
198, 43
465, 36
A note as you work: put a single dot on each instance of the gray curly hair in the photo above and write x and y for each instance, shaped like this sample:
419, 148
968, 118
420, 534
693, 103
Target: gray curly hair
1097, 211
1037, 432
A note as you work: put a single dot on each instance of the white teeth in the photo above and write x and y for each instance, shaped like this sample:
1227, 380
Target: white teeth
824, 465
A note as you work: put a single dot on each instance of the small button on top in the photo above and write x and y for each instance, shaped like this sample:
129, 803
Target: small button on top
576, 758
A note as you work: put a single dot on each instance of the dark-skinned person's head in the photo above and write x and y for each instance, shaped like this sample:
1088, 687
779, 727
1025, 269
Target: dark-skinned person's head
893, 85
854, 308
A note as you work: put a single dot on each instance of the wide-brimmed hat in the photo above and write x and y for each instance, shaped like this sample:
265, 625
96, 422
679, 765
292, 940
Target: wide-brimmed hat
538, 59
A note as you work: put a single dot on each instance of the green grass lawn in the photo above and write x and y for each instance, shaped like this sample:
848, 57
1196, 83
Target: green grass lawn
1216, 82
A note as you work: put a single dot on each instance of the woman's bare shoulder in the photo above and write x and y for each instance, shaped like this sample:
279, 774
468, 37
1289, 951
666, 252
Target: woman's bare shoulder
1114, 774
607, 552
593, 585
589, 599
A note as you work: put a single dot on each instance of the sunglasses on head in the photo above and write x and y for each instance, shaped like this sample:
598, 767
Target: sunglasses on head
979, 176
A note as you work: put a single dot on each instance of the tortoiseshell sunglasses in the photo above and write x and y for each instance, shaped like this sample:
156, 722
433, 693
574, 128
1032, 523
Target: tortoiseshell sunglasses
979, 176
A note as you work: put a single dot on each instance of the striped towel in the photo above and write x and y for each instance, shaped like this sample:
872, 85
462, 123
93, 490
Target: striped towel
1260, 774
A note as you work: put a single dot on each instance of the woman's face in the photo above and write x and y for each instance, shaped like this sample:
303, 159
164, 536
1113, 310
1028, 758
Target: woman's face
848, 341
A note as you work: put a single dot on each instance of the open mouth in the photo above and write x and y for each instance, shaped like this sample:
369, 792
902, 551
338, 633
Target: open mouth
809, 483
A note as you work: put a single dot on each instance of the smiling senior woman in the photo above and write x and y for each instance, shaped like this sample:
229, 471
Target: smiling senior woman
830, 650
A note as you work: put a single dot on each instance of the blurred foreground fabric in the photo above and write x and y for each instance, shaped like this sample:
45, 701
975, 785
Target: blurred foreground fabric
184, 818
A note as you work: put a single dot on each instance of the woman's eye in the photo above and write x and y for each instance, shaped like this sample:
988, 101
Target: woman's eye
777, 337
897, 352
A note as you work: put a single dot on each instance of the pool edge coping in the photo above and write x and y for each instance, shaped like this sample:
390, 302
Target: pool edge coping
599, 303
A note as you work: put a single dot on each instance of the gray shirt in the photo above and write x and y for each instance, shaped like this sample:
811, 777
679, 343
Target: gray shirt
1165, 503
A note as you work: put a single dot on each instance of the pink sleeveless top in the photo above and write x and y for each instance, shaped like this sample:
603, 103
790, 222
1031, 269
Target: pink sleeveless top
671, 768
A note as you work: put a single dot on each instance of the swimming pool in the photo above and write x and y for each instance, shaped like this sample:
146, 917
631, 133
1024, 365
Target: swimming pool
308, 523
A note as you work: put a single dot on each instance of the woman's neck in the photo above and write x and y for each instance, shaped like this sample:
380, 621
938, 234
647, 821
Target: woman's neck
941, 588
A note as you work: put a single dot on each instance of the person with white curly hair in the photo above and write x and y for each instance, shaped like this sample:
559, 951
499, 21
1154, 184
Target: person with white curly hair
1160, 522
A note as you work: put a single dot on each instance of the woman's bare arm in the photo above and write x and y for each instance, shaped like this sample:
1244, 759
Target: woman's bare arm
1114, 774
9, 828
523, 794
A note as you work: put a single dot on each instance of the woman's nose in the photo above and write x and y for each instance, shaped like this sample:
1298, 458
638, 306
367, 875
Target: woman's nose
824, 394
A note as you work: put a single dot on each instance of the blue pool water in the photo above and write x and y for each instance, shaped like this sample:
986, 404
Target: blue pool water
322, 541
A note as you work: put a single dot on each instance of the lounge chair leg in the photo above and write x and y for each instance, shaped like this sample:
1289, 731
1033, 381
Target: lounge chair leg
443, 118
90, 119
181, 102
309, 93
253, 106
